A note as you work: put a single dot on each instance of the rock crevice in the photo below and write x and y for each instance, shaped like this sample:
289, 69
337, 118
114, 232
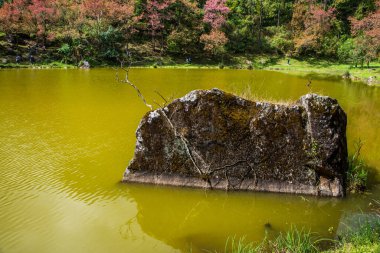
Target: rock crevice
213, 139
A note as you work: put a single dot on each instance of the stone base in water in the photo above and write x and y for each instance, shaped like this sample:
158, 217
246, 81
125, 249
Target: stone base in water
212, 139
329, 188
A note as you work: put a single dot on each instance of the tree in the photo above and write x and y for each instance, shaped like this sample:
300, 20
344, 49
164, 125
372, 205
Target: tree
12, 17
311, 24
103, 24
156, 12
367, 32
369, 25
42, 14
215, 15
184, 28
214, 42
280, 39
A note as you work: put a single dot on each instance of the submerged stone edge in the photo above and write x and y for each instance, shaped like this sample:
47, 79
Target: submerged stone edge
327, 189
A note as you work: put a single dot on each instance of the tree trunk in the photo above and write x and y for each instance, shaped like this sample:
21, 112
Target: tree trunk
278, 13
251, 13
325, 4
260, 22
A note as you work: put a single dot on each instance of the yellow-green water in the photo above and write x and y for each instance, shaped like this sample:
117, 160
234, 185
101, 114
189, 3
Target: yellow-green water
66, 137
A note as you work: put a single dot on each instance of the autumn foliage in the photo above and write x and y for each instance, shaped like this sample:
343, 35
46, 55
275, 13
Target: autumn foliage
106, 30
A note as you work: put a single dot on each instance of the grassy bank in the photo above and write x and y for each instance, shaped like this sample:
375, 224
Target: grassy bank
51, 65
328, 68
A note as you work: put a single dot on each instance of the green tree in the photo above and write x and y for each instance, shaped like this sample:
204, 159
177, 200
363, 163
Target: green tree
280, 39
346, 50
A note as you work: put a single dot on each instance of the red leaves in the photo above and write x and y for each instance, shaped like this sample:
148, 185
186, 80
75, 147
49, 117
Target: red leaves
318, 20
214, 41
215, 13
111, 10
311, 23
40, 8
11, 15
155, 14
367, 32
41, 12
369, 26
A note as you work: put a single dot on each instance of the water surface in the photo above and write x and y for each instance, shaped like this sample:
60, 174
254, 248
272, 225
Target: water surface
66, 137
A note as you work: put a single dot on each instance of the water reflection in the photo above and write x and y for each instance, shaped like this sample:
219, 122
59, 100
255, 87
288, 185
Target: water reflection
205, 219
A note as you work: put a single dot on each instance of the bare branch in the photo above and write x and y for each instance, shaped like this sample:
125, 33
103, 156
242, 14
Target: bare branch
163, 98
127, 81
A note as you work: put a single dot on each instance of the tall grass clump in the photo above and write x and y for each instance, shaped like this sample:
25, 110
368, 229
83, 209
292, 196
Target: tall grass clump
357, 175
295, 241
241, 246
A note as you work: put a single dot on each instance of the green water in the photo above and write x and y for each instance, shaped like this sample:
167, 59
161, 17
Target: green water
66, 137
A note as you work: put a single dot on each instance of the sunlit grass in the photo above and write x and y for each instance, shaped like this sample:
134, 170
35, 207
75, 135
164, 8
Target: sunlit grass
248, 94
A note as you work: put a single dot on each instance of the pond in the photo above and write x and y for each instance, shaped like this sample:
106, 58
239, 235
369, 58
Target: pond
66, 137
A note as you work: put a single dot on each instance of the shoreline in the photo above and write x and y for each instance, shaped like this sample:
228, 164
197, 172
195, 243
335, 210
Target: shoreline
369, 76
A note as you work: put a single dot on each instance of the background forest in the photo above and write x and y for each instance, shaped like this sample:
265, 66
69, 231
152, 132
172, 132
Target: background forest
103, 31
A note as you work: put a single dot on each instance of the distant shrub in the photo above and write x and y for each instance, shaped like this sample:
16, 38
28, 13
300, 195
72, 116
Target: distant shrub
65, 51
346, 74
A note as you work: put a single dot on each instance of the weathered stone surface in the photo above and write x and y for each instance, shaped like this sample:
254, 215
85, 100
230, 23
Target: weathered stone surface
214, 139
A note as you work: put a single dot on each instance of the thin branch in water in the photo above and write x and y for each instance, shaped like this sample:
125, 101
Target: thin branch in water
127, 81
163, 98
160, 111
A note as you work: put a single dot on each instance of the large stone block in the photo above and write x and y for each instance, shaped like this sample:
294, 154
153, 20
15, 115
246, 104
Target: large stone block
213, 139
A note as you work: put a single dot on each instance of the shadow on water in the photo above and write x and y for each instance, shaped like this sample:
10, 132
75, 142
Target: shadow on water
205, 219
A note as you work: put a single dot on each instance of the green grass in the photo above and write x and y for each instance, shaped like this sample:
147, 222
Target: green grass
366, 239
38, 65
294, 241
317, 66
241, 246
357, 175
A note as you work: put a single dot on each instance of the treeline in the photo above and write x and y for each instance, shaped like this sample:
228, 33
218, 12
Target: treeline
106, 30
